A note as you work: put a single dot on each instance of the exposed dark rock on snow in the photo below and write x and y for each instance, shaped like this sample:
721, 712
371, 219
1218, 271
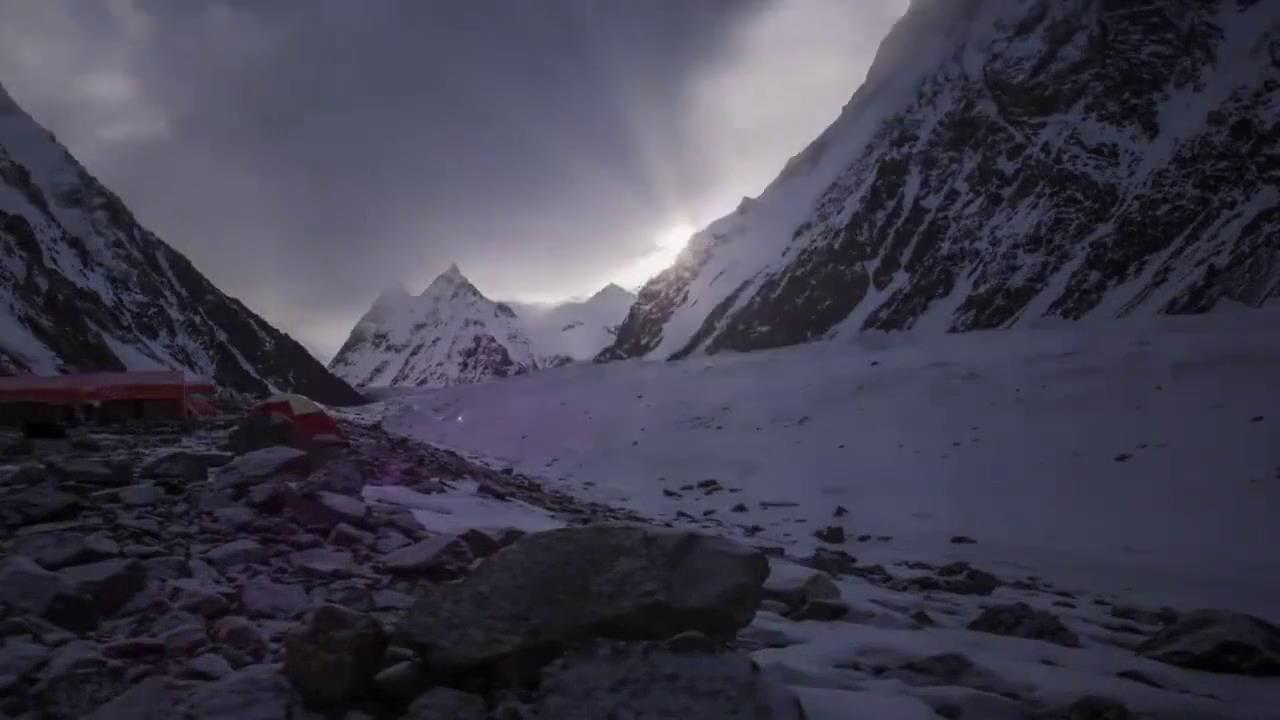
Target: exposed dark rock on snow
1021, 620
89, 288
442, 703
1218, 641
555, 587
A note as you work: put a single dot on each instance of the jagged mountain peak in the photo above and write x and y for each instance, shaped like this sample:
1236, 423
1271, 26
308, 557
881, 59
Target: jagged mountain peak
1005, 161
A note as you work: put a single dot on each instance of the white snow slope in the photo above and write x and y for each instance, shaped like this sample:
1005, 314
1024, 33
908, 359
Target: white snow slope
574, 331
1012, 437
1126, 463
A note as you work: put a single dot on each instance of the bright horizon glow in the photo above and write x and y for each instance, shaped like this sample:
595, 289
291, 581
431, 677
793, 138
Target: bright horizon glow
667, 245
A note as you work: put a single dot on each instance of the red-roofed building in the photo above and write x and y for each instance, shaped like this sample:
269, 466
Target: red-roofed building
104, 396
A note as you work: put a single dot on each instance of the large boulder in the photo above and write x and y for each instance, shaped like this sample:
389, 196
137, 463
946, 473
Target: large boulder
27, 587
59, 549
239, 641
334, 656
257, 431
110, 583
1219, 641
1021, 620
647, 681
555, 587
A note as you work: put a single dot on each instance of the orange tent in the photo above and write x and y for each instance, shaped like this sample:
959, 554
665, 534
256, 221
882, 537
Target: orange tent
308, 418
188, 397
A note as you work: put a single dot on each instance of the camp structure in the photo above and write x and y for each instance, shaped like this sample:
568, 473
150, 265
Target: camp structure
310, 421
104, 397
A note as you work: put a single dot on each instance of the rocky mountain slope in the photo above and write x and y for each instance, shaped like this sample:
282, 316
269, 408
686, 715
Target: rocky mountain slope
575, 330
1006, 160
452, 334
83, 286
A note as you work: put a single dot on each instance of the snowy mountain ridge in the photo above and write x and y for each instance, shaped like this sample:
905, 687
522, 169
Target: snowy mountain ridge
452, 334
1005, 160
83, 286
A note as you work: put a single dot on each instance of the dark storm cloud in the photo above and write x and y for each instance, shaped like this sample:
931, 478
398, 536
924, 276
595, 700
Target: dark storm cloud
306, 154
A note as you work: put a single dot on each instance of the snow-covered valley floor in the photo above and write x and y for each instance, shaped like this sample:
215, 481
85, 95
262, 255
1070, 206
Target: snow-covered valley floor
1125, 464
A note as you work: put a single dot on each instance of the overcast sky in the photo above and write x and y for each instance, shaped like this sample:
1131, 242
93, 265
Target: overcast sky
306, 154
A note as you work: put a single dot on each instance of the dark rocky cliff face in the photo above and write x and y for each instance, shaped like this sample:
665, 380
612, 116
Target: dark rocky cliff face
1070, 158
84, 287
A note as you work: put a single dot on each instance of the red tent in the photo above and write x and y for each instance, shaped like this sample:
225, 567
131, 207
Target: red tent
308, 418
168, 392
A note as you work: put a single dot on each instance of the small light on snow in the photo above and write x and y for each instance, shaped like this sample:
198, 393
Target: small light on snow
459, 418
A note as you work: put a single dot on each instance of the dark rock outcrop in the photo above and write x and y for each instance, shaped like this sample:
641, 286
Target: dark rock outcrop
1218, 641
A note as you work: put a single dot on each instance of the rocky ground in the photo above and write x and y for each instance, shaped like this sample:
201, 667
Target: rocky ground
221, 572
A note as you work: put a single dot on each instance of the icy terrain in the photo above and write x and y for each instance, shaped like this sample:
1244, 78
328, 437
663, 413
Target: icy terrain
1116, 463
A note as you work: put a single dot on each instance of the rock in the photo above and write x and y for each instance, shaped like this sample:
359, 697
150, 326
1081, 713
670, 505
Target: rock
351, 510
110, 583
239, 641
443, 557
1220, 641
258, 692
389, 540
257, 431
208, 667
442, 703
957, 578
40, 504
1163, 616
154, 697
259, 466
833, 534
18, 660
261, 597
323, 562
796, 589
962, 540
1096, 708
139, 495
235, 517
138, 648
480, 543
401, 681
334, 656
191, 467
840, 511
555, 587
237, 552
392, 600
185, 640
639, 680
1021, 620
87, 472
345, 535
167, 568
821, 610
196, 596
56, 550
27, 587
834, 562
267, 497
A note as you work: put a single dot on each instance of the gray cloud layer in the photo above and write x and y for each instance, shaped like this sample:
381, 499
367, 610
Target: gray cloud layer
307, 154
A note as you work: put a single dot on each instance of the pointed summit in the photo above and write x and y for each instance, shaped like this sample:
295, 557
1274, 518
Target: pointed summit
447, 282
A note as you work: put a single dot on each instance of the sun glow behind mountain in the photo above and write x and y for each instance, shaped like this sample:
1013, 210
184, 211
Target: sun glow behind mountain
667, 245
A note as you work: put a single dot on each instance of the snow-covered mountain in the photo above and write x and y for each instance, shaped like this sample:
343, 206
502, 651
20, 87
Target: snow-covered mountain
576, 330
83, 286
451, 334
1006, 160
